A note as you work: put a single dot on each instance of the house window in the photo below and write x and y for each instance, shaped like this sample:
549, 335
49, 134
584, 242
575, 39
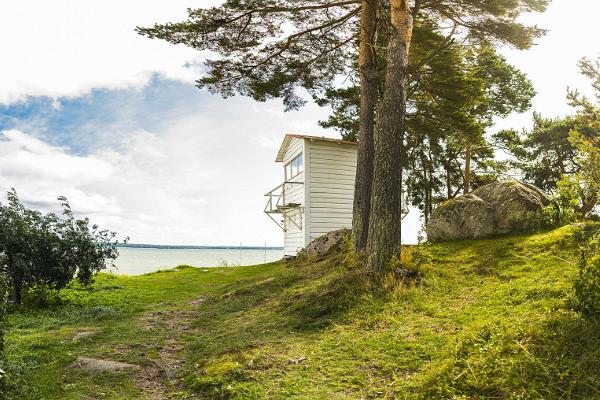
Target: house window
294, 167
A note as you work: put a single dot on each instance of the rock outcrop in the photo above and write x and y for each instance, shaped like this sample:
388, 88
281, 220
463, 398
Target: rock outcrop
326, 244
494, 209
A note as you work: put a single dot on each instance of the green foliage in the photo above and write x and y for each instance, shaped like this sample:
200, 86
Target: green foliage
4, 291
587, 285
545, 153
269, 48
563, 154
563, 211
452, 99
42, 253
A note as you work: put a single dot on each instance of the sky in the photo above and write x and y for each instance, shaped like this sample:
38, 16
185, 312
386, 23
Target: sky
112, 120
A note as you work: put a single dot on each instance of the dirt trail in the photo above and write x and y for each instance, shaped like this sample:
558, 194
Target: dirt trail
162, 379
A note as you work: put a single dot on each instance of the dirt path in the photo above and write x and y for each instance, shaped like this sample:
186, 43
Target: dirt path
162, 380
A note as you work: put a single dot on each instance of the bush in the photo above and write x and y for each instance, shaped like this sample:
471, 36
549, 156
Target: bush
566, 203
46, 252
587, 285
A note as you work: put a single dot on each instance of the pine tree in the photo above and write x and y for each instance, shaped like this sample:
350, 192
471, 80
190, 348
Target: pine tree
268, 48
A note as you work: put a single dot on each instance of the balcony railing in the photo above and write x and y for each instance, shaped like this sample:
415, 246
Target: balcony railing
278, 204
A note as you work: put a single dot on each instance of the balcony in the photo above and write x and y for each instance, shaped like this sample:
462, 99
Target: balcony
277, 204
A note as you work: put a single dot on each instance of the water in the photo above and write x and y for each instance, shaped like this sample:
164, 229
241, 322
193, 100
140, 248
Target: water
137, 261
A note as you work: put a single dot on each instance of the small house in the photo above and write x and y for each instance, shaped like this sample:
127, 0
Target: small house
317, 192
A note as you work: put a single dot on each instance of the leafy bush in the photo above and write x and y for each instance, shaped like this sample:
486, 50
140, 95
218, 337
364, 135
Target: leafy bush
44, 252
587, 285
564, 210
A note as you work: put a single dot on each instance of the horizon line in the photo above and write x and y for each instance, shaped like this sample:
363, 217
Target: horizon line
197, 247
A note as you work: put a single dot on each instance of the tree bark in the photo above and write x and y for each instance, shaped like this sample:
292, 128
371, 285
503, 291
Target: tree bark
384, 237
468, 157
589, 205
368, 101
448, 183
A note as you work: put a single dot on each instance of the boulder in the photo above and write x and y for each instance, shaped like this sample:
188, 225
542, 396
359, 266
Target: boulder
517, 206
493, 209
465, 217
326, 244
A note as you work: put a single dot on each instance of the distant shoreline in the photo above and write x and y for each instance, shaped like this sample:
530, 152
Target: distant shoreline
184, 247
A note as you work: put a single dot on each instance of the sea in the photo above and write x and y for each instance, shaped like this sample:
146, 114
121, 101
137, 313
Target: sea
142, 259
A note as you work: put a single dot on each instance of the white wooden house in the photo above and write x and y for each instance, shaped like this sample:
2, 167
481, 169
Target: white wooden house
317, 192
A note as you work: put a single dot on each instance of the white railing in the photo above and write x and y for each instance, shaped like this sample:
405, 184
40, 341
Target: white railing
277, 204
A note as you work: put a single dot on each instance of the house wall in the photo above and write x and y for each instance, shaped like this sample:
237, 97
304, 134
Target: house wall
294, 193
331, 170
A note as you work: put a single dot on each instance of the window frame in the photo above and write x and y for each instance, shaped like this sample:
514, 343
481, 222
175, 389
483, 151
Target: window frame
295, 167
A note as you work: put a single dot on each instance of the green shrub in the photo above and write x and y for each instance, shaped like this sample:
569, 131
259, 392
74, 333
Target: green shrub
46, 251
587, 285
563, 211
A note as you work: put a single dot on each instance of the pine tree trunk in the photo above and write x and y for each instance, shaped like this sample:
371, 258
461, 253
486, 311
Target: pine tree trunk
448, 183
588, 206
368, 101
427, 183
384, 237
468, 157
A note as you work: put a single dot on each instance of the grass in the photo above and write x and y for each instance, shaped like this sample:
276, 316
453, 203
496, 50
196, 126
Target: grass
489, 319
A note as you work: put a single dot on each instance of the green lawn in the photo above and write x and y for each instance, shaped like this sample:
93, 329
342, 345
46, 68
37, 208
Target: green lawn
489, 319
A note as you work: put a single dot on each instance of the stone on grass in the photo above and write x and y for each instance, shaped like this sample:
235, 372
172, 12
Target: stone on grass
466, 217
96, 366
82, 335
326, 244
494, 209
517, 206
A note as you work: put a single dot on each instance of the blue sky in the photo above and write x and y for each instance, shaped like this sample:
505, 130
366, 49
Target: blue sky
102, 117
112, 120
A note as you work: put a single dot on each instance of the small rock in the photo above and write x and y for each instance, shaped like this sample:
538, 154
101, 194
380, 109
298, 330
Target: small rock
296, 361
82, 335
96, 365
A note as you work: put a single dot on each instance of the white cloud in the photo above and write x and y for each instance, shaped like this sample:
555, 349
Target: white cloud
68, 47
200, 180
24, 156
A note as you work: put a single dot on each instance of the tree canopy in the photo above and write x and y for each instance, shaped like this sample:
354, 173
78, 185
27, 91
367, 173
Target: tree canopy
269, 48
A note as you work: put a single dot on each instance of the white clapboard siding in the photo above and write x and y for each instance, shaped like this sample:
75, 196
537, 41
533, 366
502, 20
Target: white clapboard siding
326, 192
331, 169
294, 193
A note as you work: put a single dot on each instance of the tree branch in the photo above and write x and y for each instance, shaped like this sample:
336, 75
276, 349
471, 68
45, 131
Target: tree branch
290, 39
270, 10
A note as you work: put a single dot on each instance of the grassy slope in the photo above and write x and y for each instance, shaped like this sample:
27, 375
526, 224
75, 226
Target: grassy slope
490, 319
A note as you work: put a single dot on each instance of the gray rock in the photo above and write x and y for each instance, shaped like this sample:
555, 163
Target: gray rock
493, 209
517, 206
82, 335
465, 217
96, 366
325, 244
